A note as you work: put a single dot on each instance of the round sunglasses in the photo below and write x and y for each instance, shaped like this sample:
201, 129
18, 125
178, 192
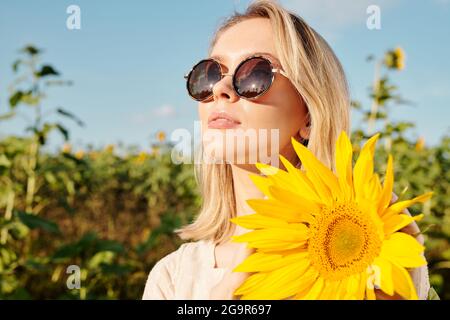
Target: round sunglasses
251, 79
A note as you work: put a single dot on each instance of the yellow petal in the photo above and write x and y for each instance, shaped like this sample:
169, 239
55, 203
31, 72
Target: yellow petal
398, 207
370, 282
341, 289
385, 275
361, 293
258, 221
404, 250
303, 185
316, 289
251, 283
363, 169
324, 180
306, 208
275, 209
386, 193
373, 188
307, 281
403, 283
393, 223
344, 165
369, 208
275, 238
276, 175
280, 283
263, 262
269, 170
352, 290
329, 291
285, 252
370, 293
262, 183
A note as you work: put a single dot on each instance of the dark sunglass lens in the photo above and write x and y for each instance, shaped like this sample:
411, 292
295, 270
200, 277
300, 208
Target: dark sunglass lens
253, 77
202, 79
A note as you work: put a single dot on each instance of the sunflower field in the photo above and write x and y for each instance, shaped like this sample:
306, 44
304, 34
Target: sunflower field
110, 212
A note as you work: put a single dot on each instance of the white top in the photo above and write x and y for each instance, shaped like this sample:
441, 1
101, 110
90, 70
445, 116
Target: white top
189, 273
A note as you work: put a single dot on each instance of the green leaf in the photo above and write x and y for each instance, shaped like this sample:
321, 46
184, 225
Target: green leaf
7, 115
16, 64
47, 128
70, 116
7, 256
42, 134
20, 294
15, 98
77, 248
432, 295
67, 251
33, 221
116, 269
36, 264
356, 105
31, 50
18, 230
63, 131
46, 70
103, 257
109, 245
30, 98
88, 240
4, 161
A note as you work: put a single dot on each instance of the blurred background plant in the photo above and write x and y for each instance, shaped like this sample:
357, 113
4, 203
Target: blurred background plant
111, 211
418, 167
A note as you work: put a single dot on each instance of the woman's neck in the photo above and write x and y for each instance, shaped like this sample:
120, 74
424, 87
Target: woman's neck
244, 189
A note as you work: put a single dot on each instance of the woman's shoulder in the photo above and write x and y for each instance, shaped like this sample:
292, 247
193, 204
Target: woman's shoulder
164, 274
194, 252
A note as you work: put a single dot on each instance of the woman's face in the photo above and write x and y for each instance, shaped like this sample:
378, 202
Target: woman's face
279, 109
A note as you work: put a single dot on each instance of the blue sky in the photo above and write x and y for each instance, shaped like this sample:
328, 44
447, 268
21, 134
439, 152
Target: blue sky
127, 61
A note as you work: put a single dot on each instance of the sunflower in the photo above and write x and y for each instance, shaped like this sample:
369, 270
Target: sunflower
318, 235
395, 59
400, 58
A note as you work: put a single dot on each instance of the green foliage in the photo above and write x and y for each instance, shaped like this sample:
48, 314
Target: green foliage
111, 215
418, 168
112, 211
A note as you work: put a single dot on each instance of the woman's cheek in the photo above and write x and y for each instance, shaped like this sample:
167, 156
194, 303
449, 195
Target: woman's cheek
261, 139
202, 113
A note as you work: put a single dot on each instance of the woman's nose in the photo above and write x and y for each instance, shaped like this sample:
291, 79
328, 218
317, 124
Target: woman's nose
224, 89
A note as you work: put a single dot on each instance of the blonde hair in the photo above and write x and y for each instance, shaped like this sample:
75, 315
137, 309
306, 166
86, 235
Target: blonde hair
318, 76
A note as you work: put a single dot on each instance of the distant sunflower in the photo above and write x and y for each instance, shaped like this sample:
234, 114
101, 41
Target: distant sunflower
399, 58
395, 59
322, 236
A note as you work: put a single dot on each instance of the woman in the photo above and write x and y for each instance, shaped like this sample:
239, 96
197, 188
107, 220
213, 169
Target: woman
306, 98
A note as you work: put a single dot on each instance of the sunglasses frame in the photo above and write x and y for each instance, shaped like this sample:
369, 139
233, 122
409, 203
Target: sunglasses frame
222, 75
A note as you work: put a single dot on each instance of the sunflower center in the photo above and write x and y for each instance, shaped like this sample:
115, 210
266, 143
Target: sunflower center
343, 241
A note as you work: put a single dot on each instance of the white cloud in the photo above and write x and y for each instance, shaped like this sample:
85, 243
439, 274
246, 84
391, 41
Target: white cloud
148, 115
164, 111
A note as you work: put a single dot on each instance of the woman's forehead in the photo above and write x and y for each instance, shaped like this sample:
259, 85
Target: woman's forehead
248, 37
227, 57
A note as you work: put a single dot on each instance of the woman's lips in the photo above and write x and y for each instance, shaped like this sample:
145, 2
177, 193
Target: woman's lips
222, 120
222, 123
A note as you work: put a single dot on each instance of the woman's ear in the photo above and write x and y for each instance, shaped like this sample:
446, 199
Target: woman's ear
305, 131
